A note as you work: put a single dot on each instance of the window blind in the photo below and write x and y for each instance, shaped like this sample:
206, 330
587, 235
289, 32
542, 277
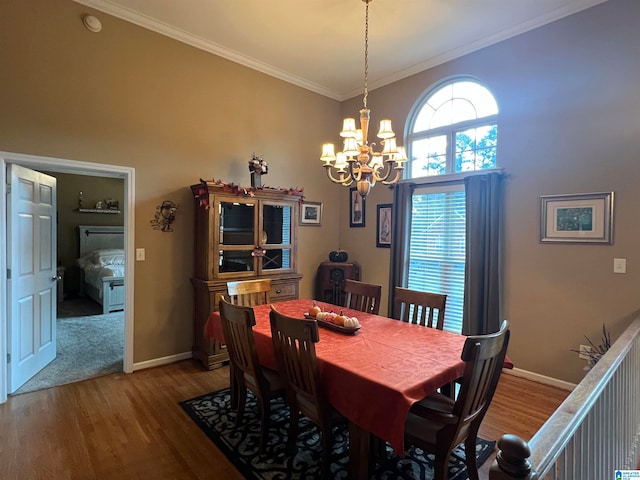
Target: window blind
437, 247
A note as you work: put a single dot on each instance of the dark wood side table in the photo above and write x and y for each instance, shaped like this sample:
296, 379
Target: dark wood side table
330, 280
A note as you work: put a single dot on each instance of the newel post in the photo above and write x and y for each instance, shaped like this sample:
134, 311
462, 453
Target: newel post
512, 459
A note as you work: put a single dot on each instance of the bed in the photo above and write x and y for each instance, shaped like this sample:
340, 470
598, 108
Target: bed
102, 263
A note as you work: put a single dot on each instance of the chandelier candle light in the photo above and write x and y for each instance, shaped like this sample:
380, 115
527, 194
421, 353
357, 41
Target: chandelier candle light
358, 162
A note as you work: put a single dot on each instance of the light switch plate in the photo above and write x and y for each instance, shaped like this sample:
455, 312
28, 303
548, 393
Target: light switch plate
619, 265
140, 254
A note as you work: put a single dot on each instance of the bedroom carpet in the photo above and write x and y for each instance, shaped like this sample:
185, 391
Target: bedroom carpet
88, 346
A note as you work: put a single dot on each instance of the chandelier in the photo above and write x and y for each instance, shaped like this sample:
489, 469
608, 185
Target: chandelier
359, 162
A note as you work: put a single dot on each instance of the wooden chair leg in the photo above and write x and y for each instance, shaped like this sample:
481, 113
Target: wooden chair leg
470, 454
293, 430
233, 386
242, 400
441, 465
265, 414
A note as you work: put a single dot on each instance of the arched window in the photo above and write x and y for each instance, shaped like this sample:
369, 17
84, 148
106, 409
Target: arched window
452, 129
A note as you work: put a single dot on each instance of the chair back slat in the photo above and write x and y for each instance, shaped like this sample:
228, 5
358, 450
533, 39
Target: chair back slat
362, 296
418, 307
249, 293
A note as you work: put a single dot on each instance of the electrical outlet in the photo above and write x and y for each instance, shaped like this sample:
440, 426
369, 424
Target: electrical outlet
584, 352
619, 265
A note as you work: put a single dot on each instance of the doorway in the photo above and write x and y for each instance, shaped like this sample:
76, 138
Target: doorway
79, 168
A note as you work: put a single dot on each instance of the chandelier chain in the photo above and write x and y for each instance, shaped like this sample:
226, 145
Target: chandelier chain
366, 54
359, 162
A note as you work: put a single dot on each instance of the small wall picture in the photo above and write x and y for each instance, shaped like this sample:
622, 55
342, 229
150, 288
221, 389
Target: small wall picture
383, 226
111, 204
356, 208
311, 213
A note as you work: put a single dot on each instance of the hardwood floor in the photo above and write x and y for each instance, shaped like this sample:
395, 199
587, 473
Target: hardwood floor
131, 426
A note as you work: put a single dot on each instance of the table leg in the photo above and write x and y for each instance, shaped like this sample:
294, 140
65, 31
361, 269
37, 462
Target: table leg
359, 442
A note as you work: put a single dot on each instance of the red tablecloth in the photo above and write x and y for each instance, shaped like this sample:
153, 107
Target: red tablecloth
374, 376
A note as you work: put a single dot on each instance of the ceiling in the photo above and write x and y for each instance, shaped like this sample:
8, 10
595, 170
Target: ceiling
319, 44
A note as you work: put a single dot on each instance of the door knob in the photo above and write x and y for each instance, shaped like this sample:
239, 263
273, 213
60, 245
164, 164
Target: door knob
55, 278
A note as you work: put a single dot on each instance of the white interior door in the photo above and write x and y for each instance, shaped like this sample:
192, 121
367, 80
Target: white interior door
31, 283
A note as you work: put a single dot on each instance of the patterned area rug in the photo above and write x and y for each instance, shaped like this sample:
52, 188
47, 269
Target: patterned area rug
212, 413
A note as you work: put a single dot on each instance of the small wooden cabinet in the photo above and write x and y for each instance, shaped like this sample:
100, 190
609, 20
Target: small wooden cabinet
240, 237
330, 280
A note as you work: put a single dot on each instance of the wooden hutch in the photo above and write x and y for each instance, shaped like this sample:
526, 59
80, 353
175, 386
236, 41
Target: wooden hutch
241, 234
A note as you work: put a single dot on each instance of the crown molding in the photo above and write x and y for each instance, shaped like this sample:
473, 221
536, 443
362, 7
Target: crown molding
131, 16
574, 7
154, 25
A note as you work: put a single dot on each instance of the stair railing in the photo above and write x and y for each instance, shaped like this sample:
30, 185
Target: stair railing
593, 433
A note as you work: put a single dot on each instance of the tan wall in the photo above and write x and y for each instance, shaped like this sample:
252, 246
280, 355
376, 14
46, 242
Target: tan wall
131, 97
127, 96
568, 123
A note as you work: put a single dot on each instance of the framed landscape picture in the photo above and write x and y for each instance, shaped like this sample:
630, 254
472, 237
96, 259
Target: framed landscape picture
356, 208
580, 218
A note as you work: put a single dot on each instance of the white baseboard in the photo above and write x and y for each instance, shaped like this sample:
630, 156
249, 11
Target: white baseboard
536, 377
157, 362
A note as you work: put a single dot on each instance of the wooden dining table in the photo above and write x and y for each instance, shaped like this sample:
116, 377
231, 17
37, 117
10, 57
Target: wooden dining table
373, 376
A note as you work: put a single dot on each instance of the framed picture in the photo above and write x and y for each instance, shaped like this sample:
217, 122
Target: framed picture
311, 213
112, 204
356, 208
581, 218
383, 226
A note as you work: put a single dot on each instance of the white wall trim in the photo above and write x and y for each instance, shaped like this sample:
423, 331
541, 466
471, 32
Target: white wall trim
158, 362
78, 168
536, 377
4, 386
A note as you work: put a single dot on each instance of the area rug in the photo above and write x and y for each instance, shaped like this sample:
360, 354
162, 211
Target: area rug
213, 414
87, 347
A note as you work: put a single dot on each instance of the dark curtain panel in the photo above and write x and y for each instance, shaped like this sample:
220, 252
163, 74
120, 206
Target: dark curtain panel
401, 223
483, 265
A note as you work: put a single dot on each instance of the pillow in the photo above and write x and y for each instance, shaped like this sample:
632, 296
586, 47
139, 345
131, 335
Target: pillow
112, 256
103, 258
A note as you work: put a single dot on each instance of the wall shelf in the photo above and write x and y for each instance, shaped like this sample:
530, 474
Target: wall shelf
96, 210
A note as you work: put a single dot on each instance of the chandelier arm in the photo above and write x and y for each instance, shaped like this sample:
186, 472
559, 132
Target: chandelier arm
346, 181
396, 179
382, 172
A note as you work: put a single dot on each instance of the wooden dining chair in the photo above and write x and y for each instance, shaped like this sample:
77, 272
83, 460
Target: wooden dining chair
362, 296
438, 424
249, 293
247, 373
418, 307
294, 342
